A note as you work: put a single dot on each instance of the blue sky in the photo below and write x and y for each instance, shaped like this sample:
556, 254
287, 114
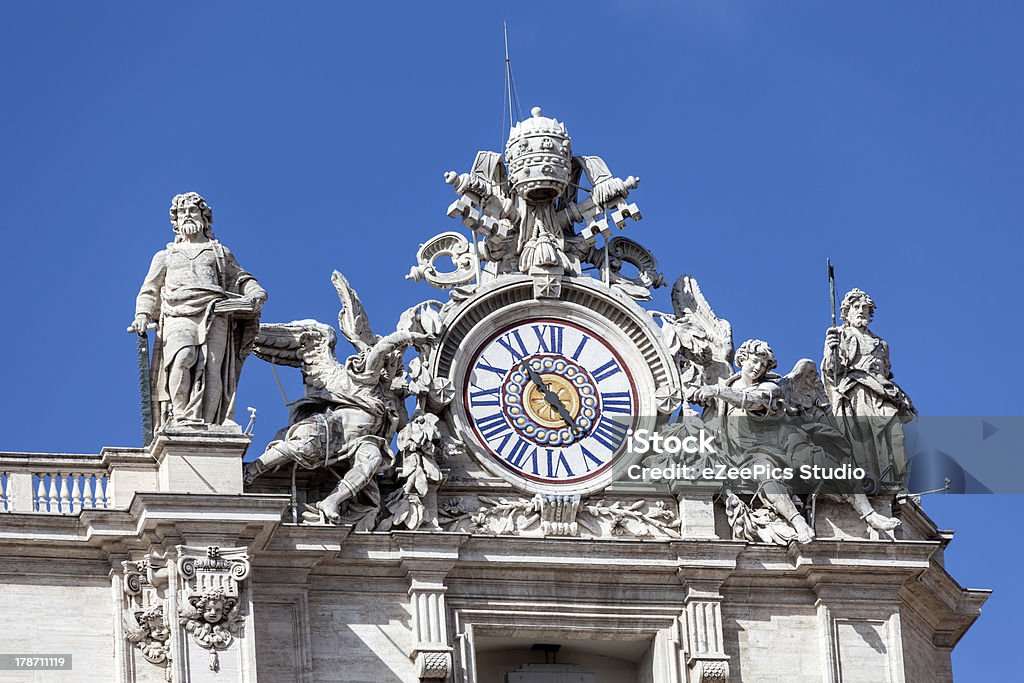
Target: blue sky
767, 136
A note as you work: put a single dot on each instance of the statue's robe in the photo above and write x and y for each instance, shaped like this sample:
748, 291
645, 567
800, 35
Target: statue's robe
870, 408
184, 284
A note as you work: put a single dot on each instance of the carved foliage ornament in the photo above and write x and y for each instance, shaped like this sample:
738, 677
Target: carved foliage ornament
549, 515
142, 615
209, 607
432, 267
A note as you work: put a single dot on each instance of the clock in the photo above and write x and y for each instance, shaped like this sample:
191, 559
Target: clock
548, 391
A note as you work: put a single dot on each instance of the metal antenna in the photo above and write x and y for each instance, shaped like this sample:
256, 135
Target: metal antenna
947, 487
508, 77
514, 107
832, 295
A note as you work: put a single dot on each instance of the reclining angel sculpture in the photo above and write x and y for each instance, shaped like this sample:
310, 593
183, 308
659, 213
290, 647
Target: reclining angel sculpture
351, 410
760, 418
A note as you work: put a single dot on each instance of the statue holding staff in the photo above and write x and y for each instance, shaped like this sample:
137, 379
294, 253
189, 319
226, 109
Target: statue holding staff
857, 374
206, 310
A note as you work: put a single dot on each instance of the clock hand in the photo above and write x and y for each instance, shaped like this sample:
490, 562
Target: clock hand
550, 396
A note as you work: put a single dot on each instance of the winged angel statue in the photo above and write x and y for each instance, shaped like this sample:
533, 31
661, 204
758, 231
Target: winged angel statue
351, 411
760, 418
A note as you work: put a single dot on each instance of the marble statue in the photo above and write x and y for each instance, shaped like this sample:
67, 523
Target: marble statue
205, 308
753, 413
857, 373
351, 410
762, 417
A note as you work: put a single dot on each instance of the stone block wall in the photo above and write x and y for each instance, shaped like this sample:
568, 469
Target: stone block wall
46, 614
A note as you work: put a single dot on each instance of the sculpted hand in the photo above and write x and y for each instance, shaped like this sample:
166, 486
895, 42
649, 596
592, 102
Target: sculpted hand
419, 339
705, 394
140, 323
831, 339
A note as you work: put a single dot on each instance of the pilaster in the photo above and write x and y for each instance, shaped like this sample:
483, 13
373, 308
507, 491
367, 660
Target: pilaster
705, 650
214, 638
426, 560
859, 626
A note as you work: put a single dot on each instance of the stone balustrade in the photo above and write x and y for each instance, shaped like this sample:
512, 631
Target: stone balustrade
48, 483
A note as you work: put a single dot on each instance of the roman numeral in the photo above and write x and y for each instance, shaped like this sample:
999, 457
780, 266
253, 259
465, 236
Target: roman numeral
493, 425
500, 372
518, 456
556, 464
610, 433
507, 341
616, 402
587, 455
484, 397
549, 338
579, 349
607, 370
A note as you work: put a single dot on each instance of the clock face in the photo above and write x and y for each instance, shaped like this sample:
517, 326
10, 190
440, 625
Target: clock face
550, 401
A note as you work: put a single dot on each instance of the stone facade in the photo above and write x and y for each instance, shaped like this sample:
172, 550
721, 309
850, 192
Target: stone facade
461, 500
326, 603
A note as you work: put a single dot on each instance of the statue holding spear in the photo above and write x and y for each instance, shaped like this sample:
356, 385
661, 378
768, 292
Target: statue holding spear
857, 374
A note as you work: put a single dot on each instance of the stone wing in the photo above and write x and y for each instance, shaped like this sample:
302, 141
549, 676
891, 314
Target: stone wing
352, 319
305, 344
700, 336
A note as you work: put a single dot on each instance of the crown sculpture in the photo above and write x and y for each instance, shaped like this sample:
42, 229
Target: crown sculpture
530, 378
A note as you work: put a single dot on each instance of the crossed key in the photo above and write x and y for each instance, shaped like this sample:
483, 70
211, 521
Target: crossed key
597, 224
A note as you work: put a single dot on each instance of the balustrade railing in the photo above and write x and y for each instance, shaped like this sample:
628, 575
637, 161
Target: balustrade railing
69, 484
69, 492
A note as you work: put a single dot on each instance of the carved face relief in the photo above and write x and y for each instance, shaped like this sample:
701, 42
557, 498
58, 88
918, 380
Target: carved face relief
189, 220
860, 314
213, 612
753, 367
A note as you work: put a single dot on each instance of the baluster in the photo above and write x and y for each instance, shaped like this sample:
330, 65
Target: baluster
40, 502
76, 493
89, 492
54, 501
107, 493
62, 492
83, 491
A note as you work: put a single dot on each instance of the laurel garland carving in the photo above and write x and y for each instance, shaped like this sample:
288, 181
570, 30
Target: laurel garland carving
524, 516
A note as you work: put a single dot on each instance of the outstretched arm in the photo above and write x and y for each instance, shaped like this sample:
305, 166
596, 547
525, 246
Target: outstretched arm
753, 399
377, 355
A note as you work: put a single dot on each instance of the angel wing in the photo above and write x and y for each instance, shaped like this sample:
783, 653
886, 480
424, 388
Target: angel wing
705, 329
700, 336
802, 391
188, 612
133, 630
305, 344
352, 319
811, 422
